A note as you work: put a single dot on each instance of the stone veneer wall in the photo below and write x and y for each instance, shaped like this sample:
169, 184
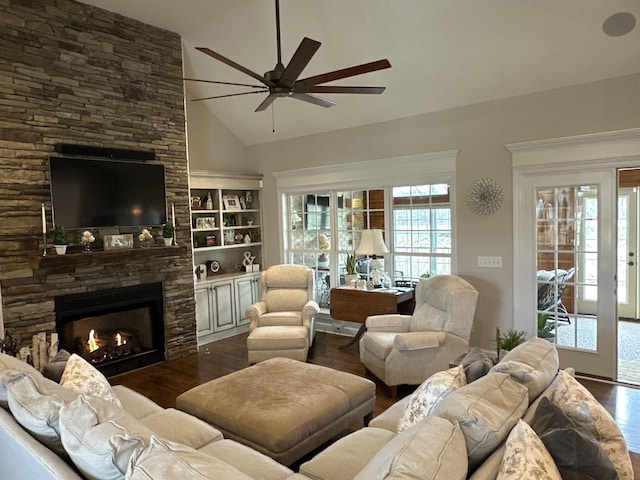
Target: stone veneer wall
72, 73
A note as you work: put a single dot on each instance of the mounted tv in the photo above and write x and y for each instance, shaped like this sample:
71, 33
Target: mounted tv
87, 193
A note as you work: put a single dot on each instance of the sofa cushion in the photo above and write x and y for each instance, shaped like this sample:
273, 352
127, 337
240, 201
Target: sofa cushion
10, 369
82, 377
180, 427
35, 403
405, 456
353, 453
247, 460
429, 393
579, 404
135, 403
526, 458
101, 438
533, 363
487, 410
476, 364
163, 459
575, 451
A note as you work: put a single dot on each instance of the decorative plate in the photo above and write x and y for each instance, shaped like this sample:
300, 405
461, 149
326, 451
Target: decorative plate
484, 196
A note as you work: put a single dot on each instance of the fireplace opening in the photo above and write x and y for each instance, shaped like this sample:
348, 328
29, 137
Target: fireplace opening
116, 330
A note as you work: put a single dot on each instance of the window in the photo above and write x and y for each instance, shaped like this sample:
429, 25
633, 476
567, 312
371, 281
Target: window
326, 226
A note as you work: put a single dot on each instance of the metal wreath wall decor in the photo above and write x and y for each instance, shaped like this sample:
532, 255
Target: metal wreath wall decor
484, 196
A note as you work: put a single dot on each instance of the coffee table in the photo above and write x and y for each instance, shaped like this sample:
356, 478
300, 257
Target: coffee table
281, 407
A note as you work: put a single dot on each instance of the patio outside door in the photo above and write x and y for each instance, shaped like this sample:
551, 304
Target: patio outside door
571, 236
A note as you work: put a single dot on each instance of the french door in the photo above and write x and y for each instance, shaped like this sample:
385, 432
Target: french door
565, 246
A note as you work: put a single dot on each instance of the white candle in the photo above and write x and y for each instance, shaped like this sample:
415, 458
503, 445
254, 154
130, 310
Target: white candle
44, 220
173, 215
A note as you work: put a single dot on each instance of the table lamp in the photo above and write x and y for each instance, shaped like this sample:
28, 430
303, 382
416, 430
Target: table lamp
372, 244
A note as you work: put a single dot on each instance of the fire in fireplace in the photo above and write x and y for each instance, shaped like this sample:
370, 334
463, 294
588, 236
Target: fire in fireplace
116, 329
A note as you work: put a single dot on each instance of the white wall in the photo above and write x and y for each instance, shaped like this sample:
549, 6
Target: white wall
480, 132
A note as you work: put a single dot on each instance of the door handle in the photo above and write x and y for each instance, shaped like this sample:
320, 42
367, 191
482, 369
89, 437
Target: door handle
631, 264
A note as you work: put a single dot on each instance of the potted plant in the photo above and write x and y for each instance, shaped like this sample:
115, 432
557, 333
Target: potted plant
350, 266
167, 234
508, 341
60, 239
545, 328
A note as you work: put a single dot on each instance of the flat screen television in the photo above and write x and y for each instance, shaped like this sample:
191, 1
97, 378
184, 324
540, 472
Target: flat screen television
87, 193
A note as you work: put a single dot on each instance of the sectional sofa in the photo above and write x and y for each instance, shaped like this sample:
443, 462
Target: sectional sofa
114, 432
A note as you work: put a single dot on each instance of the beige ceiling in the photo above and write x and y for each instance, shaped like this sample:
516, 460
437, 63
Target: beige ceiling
444, 53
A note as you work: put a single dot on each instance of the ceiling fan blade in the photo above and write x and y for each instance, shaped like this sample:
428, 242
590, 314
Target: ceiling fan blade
323, 102
298, 62
269, 100
229, 95
224, 83
336, 89
235, 65
347, 72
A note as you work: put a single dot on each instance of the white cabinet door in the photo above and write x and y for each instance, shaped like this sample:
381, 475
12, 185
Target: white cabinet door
222, 305
204, 318
245, 296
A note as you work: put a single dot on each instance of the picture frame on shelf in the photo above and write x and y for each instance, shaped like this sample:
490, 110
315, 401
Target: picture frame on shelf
113, 242
231, 202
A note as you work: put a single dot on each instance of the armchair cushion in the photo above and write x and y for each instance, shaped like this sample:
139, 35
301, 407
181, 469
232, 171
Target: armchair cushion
283, 318
310, 309
283, 299
388, 323
419, 340
378, 343
427, 317
257, 309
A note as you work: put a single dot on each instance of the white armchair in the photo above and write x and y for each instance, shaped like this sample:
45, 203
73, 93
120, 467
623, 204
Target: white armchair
407, 349
282, 322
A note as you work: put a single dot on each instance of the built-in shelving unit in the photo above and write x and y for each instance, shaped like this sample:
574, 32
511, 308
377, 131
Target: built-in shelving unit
226, 229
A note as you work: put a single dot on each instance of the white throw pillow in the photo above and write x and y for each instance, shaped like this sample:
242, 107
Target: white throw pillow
82, 377
427, 395
579, 404
525, 457
162, 459
35, 403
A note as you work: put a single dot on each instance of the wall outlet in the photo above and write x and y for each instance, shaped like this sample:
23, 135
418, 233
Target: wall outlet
490, 262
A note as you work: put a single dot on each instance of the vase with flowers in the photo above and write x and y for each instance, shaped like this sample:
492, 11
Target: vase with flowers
145, 237
86, 239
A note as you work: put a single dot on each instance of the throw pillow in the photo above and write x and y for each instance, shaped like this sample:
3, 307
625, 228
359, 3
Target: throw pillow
35, 404
82, 377
405, 455
579, 404
55, 368
476, 364
100, 437
162, 459
525, 457
533, 363
576, 452
11, 369
427, 395
487, 410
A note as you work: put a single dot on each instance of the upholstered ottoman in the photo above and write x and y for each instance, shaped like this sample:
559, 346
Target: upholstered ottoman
282, 407
278, 341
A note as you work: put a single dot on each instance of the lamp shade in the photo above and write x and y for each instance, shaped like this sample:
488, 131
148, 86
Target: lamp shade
372, 243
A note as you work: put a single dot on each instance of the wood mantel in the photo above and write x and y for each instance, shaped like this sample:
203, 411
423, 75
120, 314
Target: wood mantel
69, 262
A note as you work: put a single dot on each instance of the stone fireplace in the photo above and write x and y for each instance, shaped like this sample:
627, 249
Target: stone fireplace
76, 74
116, 329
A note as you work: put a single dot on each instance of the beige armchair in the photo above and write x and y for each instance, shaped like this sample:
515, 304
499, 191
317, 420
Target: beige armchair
407, 349
282, 322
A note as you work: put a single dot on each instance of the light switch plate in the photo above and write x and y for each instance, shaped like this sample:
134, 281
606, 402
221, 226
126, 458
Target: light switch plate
490, 262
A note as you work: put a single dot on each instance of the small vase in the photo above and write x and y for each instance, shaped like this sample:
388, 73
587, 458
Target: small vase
86, 246
61, 249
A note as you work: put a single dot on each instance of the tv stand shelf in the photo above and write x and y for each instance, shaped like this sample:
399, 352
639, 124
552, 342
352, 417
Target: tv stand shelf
68, 262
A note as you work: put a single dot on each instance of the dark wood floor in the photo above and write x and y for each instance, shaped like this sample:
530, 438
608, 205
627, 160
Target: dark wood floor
163, 382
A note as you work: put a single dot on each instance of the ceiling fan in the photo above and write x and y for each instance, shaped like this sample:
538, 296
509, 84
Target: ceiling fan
284, 82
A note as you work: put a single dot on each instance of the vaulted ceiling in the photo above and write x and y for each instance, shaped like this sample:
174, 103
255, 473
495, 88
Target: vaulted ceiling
444, 53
